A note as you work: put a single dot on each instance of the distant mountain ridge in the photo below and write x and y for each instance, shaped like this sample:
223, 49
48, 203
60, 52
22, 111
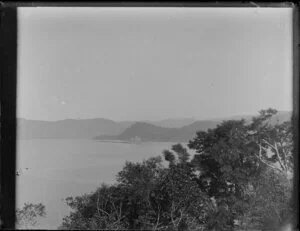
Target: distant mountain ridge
66, 129
173, 123
142, 131
82, 128
105, 129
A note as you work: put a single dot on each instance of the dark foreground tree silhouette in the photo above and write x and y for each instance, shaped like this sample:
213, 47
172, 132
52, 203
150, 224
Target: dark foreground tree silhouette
237, 161
147, 196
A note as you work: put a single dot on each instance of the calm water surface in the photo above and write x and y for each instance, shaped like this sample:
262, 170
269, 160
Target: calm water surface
51, 170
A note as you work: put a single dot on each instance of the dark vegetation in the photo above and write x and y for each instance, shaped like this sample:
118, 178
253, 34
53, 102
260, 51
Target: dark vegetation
239, 179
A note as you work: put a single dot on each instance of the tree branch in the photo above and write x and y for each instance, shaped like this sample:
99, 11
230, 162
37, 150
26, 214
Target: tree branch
172, 208
268, 143
99, 209
158, 217
98, 206
181, 216
263, 161
279, 158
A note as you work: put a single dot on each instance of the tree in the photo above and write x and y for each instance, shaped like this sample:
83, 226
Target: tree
182, 153
139, 180
103, 209
125, 205
177, 201
226, 165
233, 157
272, 197
147, 195
28, 216
269, 204
182, 203
165, 198
240, 174
275, 142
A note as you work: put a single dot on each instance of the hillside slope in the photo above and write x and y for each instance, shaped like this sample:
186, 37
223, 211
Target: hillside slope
142, 131
66, 129
99, 128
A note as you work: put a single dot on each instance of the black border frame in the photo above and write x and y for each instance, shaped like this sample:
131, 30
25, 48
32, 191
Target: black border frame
295, 115
8, 83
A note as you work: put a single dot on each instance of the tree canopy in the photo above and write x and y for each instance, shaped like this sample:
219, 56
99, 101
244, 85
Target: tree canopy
240, 177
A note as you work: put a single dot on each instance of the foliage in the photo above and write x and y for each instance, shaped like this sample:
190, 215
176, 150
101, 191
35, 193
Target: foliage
236, 158
147, 196
241, 174
275, 142
270, 203
28, 216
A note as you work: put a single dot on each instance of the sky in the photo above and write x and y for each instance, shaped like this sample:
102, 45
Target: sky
152, 63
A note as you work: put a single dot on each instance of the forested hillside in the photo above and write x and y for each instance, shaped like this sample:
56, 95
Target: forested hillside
240, 179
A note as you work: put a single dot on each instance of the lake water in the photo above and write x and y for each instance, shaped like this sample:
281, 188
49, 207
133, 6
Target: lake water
51, 170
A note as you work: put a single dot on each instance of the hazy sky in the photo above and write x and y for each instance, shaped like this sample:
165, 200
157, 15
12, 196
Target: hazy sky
153, 63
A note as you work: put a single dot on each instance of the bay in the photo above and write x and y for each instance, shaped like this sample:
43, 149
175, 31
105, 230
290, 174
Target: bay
51, 170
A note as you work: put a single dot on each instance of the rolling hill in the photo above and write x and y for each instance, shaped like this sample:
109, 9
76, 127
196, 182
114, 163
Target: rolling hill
142, 131
82, 128
67, 129
105, 129
173, 123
